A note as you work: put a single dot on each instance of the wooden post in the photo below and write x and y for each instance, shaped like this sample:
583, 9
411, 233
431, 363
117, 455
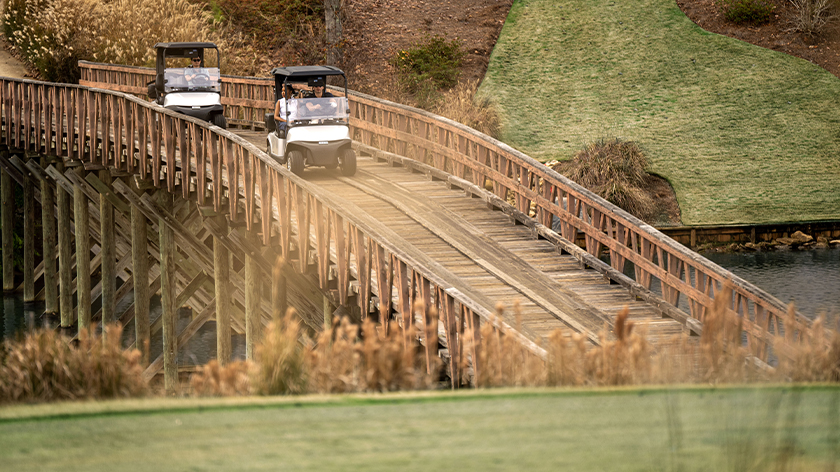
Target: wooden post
64, 253
279, 302
8, 222
327, 314
140, 273
48, 226
28, 239
221, 269
109, 282
81, 218
252, 306
167, 297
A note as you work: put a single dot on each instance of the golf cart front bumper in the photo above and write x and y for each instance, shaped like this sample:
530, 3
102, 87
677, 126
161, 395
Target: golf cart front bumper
323, 153
200, 112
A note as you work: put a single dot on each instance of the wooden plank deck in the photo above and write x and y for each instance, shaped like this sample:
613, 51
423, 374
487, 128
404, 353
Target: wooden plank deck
488, 252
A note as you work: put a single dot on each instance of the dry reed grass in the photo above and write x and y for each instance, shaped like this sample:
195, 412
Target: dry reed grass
461, 104
216, 380
54, 34
280, 359
43, 366
615, 170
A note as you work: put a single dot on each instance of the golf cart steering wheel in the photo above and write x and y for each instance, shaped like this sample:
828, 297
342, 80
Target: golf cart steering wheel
200, 79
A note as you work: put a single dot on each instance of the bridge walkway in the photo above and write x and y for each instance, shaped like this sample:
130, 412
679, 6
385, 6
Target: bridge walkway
486, 254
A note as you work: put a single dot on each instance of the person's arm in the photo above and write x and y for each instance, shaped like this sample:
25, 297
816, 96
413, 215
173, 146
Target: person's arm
277, 110
189, 73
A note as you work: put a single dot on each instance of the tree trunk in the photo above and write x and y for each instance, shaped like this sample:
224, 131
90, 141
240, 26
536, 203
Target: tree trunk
332, 17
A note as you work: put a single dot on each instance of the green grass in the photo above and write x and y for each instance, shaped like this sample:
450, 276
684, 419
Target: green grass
744, 134
654, 429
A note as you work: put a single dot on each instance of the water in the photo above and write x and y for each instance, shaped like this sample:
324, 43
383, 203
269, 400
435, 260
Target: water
809, 278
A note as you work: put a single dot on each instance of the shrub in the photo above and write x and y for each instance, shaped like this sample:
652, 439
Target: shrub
461, 104
747, 11
216, 380
615, 170
428, 66
280, 359
813, 16
43, 366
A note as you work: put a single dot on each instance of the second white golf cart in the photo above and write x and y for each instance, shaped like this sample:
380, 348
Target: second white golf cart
187, 80
316, 130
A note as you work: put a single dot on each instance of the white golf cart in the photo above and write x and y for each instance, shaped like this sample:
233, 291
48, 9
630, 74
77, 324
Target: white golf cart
185, 84
317, 131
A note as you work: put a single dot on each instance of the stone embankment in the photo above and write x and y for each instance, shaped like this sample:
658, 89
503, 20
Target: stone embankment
796, 241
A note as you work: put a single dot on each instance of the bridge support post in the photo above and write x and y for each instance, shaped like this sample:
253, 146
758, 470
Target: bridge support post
279, 302
7, 207
252, 306
81, 217
140, 272
48, 226
109, 283
64, 254
327, 313
28, 239
167, 297
221, 274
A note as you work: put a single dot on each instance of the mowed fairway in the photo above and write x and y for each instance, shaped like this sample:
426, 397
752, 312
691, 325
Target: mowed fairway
744, 134
691, 429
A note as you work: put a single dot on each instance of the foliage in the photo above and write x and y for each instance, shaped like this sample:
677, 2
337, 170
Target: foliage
43, 366
280, 359
814, 16
428, 66
216, 380
54, 35
615, 170
292, 28
747, 11
462, 105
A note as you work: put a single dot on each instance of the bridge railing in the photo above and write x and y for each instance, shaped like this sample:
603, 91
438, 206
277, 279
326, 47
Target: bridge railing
216, 167
682, 276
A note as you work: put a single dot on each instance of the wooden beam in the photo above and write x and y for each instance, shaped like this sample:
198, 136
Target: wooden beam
106, 221
7, 208
167, 295
48, 221
140, 263
81, 217
64, 249
221, 276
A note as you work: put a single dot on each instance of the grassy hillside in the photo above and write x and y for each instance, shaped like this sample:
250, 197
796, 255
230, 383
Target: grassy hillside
744, 134
628, 430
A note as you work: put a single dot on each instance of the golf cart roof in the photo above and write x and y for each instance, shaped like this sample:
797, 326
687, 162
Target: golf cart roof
184, 45
303, 72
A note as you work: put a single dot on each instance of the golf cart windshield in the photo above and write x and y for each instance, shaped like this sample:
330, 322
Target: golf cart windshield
326, 110
202, 79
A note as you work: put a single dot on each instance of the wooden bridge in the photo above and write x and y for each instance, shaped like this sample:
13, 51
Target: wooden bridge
165, 203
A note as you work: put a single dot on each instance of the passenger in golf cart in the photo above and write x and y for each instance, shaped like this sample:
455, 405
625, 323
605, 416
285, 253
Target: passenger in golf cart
312, 129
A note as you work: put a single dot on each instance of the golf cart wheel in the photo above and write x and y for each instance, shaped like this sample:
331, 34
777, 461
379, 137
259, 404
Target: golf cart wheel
348, 162
294, 162
220, 121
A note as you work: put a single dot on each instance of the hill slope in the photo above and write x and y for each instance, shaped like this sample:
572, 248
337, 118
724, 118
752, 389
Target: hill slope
744, 134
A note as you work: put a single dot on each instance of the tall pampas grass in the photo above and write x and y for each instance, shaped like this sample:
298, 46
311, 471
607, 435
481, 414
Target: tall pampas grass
43, 366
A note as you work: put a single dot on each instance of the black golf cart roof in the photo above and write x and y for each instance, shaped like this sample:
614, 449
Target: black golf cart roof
184, 45
303, 72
